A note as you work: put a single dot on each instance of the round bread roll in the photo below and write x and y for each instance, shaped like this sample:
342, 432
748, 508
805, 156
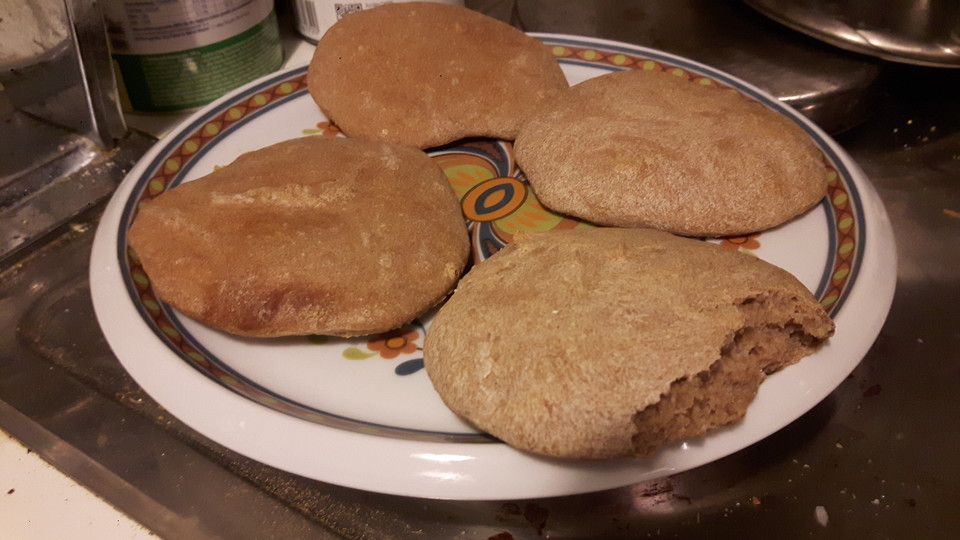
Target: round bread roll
657, 150
308, 236
602, 343
425, 74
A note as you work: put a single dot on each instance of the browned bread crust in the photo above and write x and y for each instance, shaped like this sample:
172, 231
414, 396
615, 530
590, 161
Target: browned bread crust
425, 74
308, 236
660, 151
599, 343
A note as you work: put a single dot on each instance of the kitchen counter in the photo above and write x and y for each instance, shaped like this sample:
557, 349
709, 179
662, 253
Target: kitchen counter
38, 501
875, 459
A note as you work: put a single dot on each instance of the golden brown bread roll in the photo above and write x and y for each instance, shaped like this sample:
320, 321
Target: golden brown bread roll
425, 74
308, 236
652, 149
601, 343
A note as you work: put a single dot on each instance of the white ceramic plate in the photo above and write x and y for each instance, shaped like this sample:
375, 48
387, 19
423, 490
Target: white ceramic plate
362, 413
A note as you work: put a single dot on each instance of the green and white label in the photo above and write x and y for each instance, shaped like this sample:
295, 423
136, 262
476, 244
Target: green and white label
180, 55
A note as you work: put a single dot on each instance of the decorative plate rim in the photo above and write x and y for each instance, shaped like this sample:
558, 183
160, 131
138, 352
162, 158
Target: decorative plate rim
195, 126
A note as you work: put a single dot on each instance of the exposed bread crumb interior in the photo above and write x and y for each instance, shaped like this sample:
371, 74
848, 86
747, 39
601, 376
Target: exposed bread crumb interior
720, 395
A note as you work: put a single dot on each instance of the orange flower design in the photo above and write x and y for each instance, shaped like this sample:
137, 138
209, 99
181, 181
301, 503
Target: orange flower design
737, 243
393, 344
326, 129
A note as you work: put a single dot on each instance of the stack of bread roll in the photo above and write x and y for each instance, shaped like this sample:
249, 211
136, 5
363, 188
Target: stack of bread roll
592, 343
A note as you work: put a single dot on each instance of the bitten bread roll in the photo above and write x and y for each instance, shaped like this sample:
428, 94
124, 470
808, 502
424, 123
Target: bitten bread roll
602, 343
657, 150
308, 236
425, 74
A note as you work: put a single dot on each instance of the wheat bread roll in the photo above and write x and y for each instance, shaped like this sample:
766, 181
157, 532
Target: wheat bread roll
308, 236
603, 343
425, 74
657, 150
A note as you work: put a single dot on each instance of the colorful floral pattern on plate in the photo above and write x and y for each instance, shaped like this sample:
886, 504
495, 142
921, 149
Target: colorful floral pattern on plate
497, 201
393, 344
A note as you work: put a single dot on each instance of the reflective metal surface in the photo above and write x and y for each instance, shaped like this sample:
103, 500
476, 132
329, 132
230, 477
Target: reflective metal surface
876, 459
60, 121
831, 87
922, 32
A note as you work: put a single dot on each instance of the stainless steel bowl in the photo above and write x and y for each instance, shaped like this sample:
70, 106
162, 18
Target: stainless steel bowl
921, 32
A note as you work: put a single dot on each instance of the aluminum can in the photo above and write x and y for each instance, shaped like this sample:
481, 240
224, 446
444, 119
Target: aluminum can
173, 55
